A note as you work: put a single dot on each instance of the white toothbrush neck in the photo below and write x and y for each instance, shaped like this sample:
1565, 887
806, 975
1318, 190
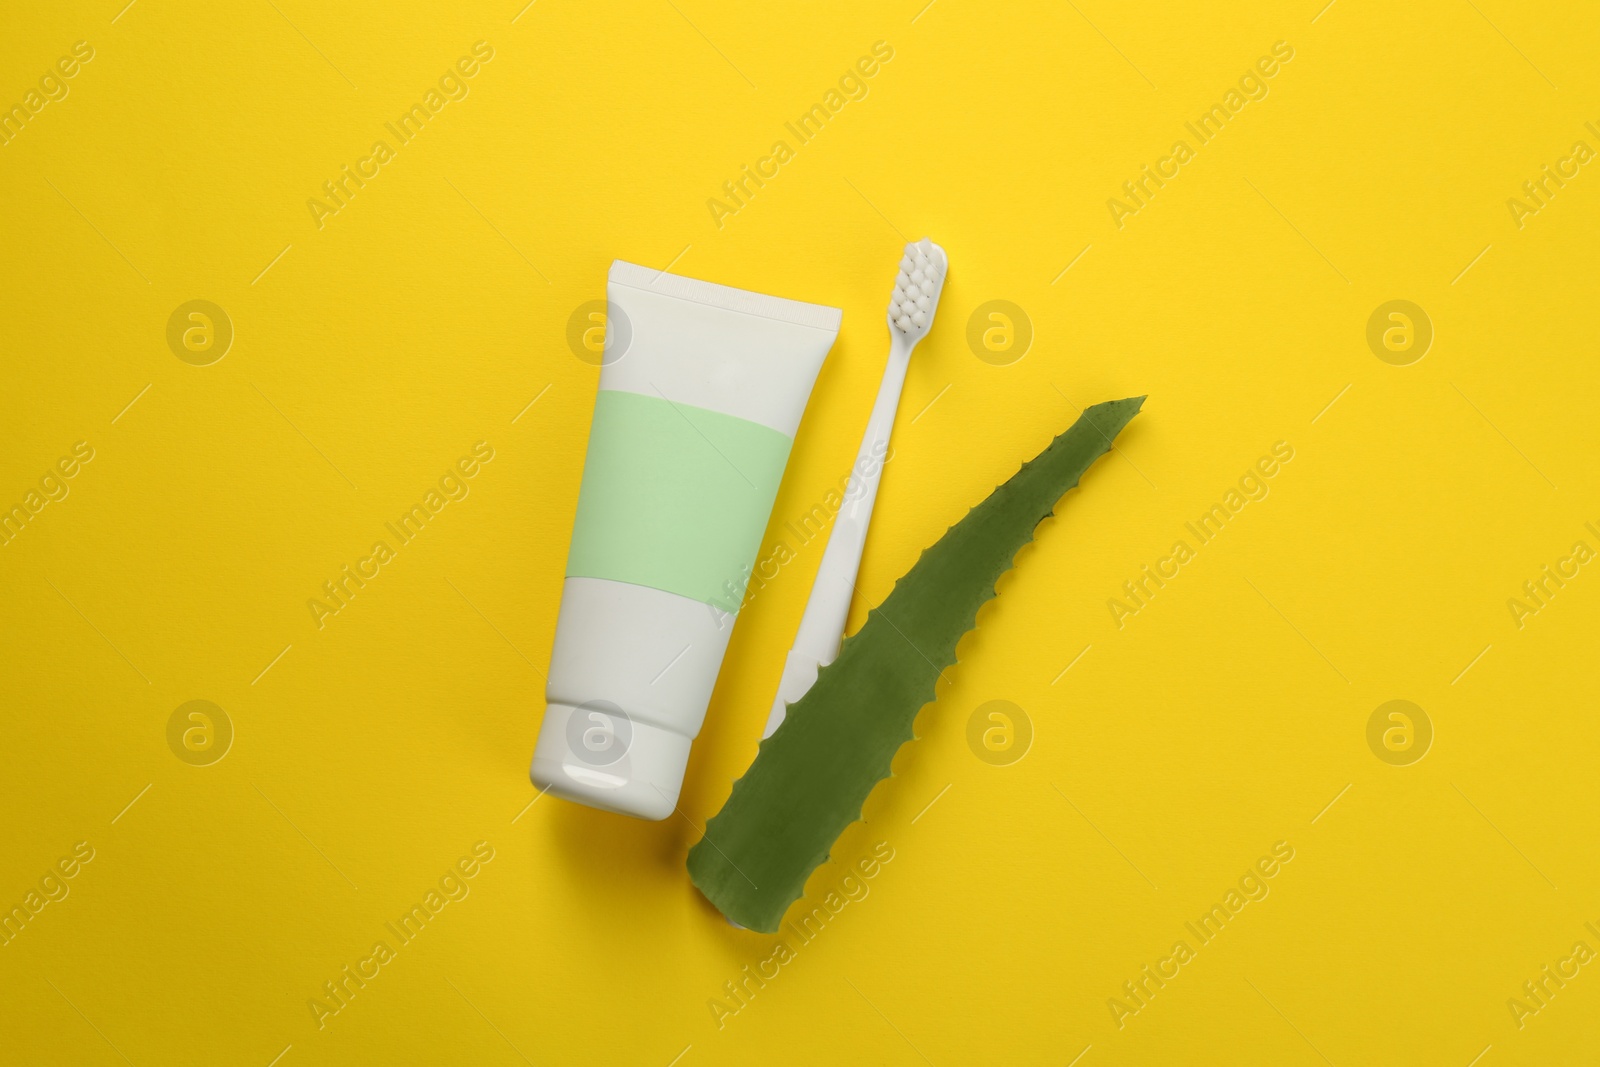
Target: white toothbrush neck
822, 627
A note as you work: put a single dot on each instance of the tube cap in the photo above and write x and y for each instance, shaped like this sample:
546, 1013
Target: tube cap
596, 754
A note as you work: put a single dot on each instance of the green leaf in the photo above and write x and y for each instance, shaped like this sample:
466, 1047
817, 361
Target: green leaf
810, 778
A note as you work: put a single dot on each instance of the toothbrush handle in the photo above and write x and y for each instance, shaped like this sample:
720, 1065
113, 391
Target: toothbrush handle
822, 626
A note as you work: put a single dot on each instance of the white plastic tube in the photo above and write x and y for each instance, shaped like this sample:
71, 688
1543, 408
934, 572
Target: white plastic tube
701, 390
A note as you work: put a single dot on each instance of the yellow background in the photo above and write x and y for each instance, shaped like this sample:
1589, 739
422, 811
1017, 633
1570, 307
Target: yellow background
371, 754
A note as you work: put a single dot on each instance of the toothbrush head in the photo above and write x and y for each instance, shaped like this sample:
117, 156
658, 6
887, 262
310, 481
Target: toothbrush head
916, 290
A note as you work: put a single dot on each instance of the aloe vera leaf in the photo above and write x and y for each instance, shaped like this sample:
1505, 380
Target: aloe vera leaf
811, 777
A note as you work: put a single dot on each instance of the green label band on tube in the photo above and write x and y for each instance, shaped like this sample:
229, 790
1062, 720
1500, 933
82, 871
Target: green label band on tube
674, 497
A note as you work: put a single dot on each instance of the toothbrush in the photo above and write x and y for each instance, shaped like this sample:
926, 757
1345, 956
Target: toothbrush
911, 307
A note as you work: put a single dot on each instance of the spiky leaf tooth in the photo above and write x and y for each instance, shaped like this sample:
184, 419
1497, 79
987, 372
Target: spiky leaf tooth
811, 777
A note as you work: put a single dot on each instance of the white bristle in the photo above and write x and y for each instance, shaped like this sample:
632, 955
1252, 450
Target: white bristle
912, 303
